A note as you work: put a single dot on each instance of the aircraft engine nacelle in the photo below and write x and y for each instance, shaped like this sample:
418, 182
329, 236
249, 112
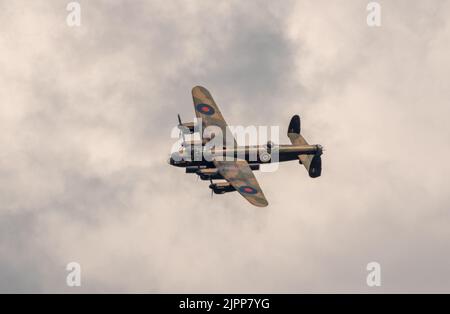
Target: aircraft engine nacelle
191, 144
207, 177
222, 187
188, 127
194, 169
209, 174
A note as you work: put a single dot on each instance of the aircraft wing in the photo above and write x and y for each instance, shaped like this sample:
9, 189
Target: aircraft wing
241, 177
206, 108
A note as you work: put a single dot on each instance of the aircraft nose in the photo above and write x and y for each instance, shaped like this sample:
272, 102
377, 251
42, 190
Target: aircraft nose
171, 159
174, 158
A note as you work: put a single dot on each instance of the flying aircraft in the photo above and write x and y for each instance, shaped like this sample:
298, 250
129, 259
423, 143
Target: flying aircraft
236, 173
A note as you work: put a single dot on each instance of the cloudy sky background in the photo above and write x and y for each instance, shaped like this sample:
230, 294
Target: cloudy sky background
85, 120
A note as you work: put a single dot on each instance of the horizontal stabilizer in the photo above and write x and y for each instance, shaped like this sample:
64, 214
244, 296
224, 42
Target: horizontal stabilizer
312, 163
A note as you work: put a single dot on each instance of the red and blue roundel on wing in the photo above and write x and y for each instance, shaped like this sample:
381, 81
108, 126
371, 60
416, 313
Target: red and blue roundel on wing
247, 190
205, 109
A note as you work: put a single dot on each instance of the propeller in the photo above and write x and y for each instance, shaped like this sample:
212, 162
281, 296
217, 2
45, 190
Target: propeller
180, 126
212, 191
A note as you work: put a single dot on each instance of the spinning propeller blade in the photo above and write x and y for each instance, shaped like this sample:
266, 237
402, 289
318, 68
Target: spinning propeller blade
212, 191
180, 127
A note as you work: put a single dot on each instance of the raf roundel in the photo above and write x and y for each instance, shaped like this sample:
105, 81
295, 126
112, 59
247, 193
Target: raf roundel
205, 109
247, 190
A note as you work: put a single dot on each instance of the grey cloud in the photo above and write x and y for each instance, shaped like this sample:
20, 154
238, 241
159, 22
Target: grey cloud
85, 126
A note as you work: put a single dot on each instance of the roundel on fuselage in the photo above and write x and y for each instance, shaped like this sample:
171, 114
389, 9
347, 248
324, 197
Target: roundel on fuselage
205, 109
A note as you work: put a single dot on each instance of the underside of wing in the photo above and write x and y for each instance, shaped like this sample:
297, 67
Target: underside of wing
241, 177
206, 109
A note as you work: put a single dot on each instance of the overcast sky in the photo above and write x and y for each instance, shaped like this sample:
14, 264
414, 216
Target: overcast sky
85, 120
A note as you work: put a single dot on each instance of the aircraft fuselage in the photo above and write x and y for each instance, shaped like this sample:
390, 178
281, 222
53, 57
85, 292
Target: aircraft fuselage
198, 156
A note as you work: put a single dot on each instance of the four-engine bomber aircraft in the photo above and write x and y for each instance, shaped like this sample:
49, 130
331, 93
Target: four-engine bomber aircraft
237, 172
